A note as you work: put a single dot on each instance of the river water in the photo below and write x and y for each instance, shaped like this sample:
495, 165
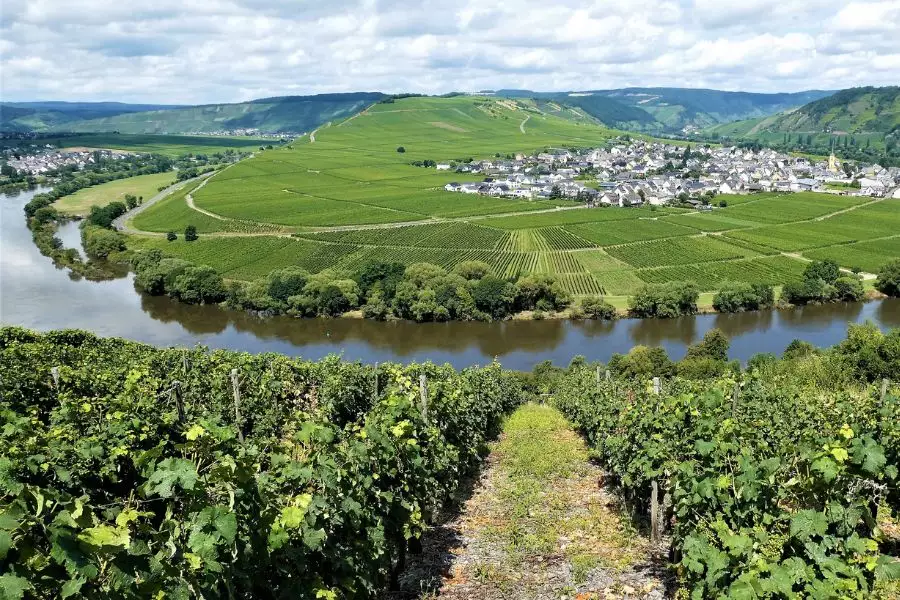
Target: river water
35, 294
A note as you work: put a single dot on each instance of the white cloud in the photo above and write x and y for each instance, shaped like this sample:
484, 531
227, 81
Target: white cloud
177, 51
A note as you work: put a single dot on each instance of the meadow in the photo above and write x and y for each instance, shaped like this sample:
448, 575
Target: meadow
142, 186
350, 197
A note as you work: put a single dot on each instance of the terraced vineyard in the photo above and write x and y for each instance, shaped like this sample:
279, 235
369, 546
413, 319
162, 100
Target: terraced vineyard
351, 198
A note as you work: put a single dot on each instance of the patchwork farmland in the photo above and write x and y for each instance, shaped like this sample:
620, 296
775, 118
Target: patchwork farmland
350, 197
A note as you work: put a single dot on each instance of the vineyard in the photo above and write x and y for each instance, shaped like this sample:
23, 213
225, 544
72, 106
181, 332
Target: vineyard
677, 251
351, 198
775, 489
131, 471
134, 472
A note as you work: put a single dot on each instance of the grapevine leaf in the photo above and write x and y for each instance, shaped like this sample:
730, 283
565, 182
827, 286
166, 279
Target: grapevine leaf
168, 474
104, 535
71, 587
826, 467
888, 568
13, 587
5, 543
808, 523
870, 455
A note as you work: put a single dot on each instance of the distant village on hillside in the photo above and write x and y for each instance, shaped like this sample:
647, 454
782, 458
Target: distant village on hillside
635, 172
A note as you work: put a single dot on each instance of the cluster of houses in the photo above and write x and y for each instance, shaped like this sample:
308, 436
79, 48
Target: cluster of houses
634, 172
40, 160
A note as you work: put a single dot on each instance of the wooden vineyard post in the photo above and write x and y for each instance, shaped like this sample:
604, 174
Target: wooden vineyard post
654, 512
735, 396
179, 402
235, 386
375, 386
884, 388
608, 375
423, 394
54, 371
598, 377
656, 385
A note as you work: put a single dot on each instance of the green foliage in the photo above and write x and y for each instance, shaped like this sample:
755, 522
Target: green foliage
888, 281
190, 233
171, 236
104, 217
100, 243
775, 482
312, 489
642, 362
738, 297
594, 307
665, 300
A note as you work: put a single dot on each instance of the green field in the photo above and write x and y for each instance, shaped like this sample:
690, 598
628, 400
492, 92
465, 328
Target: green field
349, 198
142, 186
170, 145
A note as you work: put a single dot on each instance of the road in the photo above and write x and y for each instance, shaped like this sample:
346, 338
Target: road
121, 224
522, 124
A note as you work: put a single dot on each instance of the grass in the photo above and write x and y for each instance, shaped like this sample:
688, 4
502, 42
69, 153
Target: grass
145, 186
353, 198
540, 522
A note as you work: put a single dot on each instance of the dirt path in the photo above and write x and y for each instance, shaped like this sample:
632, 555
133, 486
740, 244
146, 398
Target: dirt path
189, 198
539, 526
121, 223
522, 124
312, 135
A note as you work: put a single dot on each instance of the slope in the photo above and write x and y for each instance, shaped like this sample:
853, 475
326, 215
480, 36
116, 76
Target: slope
670, 110
858, 123
44, 116
268, 115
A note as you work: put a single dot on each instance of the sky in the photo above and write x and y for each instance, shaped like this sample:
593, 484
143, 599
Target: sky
206, 51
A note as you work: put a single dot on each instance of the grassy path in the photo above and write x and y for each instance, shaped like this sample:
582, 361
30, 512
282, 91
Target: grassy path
538, 526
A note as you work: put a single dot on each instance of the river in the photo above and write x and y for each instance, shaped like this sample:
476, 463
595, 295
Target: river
35, 294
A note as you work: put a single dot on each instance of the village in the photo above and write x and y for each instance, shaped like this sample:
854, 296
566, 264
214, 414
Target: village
37, 161
635, 172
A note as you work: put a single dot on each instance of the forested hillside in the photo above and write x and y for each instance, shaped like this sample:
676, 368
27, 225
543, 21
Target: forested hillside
859, 123
671, 110
269, 115
44, 116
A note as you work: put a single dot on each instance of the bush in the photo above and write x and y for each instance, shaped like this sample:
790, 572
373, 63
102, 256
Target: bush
197, 285
494, 296
594, 307
100, 243
738, 297
665, 300
190, 233
824, 270
888, 281
642, 363
401, 149
849, 289
543, 290
171, 236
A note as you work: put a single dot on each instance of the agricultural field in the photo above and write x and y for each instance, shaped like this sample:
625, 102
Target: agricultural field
142, 186
349, 198
867, 256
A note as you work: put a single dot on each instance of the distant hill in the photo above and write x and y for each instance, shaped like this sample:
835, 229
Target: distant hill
865, 110
268, 115
859, 123
671, 110
45, 116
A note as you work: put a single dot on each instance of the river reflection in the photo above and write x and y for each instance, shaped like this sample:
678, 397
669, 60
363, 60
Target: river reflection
33, 293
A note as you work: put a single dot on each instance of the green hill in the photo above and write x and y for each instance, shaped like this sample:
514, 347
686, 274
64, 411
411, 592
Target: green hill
671, 110
864, 110
268, 115
46, 116
859, 123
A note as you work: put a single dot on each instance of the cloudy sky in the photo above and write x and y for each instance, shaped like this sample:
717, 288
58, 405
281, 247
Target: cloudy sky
194, 51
